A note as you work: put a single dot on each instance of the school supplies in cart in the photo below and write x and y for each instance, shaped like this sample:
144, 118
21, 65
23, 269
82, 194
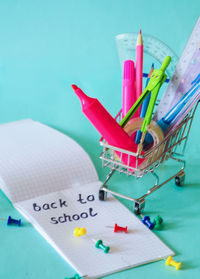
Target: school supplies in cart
171, 146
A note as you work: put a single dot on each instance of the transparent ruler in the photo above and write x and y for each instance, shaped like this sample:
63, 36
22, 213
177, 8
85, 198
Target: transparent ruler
187, 69
126, 45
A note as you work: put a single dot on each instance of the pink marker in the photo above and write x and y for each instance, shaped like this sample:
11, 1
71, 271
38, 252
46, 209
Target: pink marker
139, 70
106, 125
128, 87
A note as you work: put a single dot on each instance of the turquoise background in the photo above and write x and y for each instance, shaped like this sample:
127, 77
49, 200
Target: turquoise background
45, 46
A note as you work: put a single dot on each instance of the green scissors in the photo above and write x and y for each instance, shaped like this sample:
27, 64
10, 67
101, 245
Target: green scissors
158, 77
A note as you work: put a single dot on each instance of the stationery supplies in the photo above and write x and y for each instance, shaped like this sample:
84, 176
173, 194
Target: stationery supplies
51, 180
184, 113
139, 69
99, 245
158, 221
103, 121
156, 224
119, 228
170, 261
171, 147
14, 221
186, 70
76, 276
126, 46
155, 82
181, 105
11, 221
178, 111
79, 231
147, 222
146, 75
144, 106
128, 87
157, 79
106, 125
156, 134
138, 163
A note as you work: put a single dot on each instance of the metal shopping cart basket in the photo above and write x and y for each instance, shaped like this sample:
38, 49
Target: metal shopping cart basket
152, 158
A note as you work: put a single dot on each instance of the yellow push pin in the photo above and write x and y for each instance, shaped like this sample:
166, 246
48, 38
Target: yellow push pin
79, 231
170, 261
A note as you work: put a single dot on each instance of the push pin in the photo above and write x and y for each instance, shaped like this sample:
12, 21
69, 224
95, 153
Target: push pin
11, 221
79, 231
99, 244
170, 261
76, 276
119, 229
147, 222
157, 222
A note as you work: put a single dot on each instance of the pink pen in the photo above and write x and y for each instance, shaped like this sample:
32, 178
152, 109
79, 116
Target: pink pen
139, 70
106, 125
128, 87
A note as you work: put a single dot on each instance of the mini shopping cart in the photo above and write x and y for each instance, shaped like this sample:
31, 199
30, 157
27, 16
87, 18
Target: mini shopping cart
172, 147
158, 154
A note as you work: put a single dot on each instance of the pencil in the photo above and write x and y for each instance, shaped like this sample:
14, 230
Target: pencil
139, 69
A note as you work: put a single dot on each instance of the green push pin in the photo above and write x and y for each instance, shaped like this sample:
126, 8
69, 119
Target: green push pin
158, 221
76, 276
99, 244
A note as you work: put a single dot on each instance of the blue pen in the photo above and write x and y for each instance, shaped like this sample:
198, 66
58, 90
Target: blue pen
144, 106
178, 109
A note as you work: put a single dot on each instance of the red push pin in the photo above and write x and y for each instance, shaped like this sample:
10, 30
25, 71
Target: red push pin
119, 229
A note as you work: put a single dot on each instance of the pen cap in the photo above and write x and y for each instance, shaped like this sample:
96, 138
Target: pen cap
85, 100
129, 70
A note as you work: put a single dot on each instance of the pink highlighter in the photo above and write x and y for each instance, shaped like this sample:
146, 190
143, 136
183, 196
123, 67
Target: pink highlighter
106, 125
128, 87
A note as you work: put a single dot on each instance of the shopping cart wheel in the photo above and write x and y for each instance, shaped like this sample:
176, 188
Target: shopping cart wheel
139, 207
102, 195
179, 180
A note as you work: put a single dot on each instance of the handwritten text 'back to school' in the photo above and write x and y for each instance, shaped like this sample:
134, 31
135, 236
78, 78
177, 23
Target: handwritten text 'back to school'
60, 203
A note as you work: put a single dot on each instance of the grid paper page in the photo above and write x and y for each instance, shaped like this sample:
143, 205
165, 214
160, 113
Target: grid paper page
139, 246
36, 160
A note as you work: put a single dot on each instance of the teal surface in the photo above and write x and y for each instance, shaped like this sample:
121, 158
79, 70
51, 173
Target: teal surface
45, 46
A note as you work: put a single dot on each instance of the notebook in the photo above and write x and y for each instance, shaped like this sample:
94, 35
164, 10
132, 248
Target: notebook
51, 180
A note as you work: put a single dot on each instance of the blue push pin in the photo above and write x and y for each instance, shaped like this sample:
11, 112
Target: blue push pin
147, 222
11, 221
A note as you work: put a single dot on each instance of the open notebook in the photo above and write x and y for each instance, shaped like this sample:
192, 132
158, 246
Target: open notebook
51, 180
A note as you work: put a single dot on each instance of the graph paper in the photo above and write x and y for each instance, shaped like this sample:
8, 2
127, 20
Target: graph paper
51, 180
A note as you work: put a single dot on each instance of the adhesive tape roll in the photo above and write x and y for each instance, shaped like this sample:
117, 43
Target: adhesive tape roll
155, 131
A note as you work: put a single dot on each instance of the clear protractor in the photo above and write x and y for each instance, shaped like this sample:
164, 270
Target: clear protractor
126, 45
